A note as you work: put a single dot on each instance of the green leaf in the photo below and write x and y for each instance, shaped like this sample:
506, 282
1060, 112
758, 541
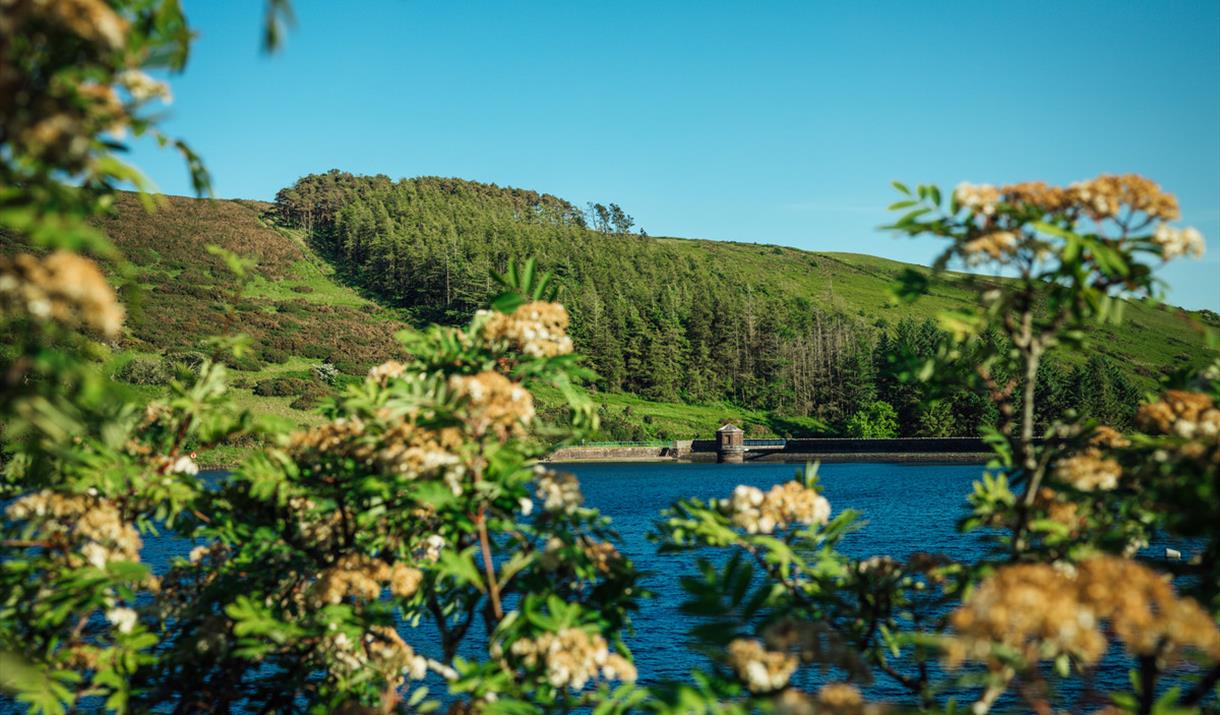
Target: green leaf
461, 567
507, 302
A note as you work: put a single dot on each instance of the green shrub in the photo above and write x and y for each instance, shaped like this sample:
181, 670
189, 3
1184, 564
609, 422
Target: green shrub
877, 421
282, 387
274, 356
309, 399
315, 350
145, 371
190, 360
249, 361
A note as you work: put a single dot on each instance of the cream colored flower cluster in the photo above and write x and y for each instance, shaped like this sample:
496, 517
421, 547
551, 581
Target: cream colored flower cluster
363, 577
1059, 508
790, 503
63, 287
317, 529
122, 618
430, 548
143, 88
1042, 611
879, 567
1038, 194
1103, 197
538, 329
762, 670
60, 118
92, 20
335, 440
386, 371
1108, 195
831, 699
1143, 610
402, 447
1089, 471
417, 452
1178, 242
996, 245
602, 554
979, 199
1108, 438
559, 491
497, 404
93, 525
573, 657
1192, 415
1034, 609
383, 650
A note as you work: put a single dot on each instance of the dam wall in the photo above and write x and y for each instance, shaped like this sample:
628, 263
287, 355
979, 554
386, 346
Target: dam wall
613, 454
825, 449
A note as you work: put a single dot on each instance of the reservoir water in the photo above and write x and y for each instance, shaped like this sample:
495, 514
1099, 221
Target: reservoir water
907, 507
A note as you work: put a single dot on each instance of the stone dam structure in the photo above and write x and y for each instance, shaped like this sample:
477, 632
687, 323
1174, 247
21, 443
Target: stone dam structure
730, 447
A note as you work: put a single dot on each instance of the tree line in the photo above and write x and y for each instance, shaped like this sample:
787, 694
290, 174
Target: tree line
653, 321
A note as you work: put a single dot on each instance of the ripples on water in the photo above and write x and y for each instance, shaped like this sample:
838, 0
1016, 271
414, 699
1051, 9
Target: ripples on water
907, 507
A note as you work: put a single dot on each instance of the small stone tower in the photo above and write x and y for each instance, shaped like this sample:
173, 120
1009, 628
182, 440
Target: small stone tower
730, 444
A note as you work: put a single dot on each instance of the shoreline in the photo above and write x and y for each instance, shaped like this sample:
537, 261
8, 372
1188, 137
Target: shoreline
945, 450
791, 458
825, 458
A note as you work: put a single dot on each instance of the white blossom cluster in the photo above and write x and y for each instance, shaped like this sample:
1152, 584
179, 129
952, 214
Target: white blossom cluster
538, 329
382, 650
573, 657
1177, 242
430, 548
980, 199
785, 504
559, 491
762, 671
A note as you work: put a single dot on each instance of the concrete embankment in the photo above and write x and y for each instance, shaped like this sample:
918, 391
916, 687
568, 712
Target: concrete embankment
952, 449
613, 454
829, 457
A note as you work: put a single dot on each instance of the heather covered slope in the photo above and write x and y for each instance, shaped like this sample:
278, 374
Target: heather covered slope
292, 307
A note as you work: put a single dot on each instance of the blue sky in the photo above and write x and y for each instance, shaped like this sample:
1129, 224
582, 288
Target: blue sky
778, 122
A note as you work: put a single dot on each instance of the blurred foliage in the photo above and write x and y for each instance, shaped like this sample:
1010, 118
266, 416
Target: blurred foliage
419, 499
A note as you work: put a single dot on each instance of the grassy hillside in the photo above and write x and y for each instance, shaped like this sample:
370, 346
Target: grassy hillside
1150, 339
772, 329
304, 308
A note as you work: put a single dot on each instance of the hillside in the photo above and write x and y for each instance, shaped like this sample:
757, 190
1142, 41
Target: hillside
685, 333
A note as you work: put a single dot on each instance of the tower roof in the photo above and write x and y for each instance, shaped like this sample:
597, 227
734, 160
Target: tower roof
730, 428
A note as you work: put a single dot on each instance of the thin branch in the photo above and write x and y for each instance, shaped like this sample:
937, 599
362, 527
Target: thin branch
1148, 675
489, 567
1201, 689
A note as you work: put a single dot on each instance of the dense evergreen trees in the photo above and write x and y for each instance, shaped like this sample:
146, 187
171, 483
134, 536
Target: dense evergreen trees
653, 321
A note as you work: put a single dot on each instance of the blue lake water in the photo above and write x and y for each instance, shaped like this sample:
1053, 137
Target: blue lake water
907, 507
